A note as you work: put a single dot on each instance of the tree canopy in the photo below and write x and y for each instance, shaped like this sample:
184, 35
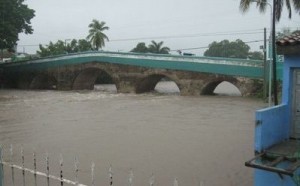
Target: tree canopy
158, 48
286, 32
262, 5
61, 47
96, 36
15, 18
234, 49
95, 40
154, 47
140, 48
256, 55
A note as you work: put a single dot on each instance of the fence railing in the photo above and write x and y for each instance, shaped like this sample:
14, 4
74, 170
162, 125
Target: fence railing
61, 179
37, 173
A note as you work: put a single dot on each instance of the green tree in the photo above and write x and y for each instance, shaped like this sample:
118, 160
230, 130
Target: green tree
60, 47
96, 35
157, 48
262, 5
71, 47
52, 49
140, 48
286, 32
84, 45
235, 49
256, 55
14, 19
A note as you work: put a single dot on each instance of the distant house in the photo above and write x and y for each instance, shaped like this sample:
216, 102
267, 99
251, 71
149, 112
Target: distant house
21, 55
5, 56
277, 129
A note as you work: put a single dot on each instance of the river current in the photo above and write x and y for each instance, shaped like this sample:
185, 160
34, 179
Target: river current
201, 141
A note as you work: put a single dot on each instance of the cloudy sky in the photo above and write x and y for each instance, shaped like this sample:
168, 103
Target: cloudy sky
181, 24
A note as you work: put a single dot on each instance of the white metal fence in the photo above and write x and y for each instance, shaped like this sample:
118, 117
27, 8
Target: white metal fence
27, 173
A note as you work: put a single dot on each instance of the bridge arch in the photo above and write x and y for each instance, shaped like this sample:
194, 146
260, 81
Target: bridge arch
88, 77
209, 87
43, 81
148, 83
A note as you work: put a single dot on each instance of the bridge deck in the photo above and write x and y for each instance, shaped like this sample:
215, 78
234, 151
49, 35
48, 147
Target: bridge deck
226, 66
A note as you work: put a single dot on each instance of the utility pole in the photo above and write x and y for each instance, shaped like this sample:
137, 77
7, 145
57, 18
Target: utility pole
272, 43
66, 44
265, 65
2, 34
274, 54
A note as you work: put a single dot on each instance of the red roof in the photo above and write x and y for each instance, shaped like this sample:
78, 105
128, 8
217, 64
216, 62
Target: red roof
291, 40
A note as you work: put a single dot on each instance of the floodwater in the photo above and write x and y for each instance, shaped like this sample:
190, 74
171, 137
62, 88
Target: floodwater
200, 141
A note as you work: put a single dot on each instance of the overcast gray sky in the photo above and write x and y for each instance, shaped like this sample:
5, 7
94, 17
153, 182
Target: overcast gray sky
180, 24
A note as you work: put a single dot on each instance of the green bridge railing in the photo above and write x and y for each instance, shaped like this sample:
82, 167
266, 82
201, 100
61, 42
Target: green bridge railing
226, 66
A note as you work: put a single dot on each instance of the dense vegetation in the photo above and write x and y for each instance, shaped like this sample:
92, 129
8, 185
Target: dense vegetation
61, 47
234, 49
154, 47
95, 40
9, 30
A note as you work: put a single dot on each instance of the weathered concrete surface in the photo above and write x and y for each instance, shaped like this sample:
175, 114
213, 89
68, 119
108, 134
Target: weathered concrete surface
128, 79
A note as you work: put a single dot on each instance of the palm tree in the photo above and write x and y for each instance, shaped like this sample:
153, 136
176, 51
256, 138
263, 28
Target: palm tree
157, 48
277, 9
140, 48
96, 35
262, 4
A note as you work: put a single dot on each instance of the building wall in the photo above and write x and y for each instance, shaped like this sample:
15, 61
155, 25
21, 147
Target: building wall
273, 126
291, 63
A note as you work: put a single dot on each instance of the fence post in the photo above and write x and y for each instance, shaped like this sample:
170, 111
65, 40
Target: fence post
61, 161
23, 166
11, 164
47, 168
175, 182
76, 169
34, 167
1, 168
93, 173
110, 176
152, 180
130, 177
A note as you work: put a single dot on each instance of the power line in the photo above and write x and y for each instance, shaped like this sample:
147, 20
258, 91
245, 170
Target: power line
240, 32
33, 45
255, 41
203, 47
185, 36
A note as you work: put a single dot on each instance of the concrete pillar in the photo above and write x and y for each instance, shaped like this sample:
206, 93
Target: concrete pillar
64, 85
64, 80
125, 86
190, 87
250, 87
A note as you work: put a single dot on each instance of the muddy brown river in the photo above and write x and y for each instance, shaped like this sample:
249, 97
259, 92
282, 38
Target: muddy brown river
201, 141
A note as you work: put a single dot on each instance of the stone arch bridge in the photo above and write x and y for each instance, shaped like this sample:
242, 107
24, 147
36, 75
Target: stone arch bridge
132, 73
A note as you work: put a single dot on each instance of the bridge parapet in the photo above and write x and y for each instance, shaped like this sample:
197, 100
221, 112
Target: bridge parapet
146, 56
235, 67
